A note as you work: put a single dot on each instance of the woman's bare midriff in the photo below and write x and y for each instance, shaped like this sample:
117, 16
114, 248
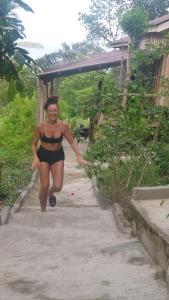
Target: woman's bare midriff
51, 147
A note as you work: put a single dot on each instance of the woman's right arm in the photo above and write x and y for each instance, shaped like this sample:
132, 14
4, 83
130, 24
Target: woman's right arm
36, 137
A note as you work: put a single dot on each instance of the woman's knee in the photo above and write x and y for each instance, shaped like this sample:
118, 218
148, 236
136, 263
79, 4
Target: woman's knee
57, 187
45, 187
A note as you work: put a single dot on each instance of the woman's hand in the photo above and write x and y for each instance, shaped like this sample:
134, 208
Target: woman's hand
35, 163
83, 161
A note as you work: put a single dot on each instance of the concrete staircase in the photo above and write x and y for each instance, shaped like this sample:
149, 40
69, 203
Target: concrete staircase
150, 209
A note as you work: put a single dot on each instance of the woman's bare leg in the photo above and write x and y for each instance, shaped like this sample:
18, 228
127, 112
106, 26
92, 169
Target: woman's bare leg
57, 170
44, 180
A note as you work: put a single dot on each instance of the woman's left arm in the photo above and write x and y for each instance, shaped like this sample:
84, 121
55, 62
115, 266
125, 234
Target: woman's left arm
71, 139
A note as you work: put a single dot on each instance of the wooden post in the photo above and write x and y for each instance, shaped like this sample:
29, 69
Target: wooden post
94, 120
122, 73
42, 94
57, 82
128, 75
51, 88
39, 105
44, 98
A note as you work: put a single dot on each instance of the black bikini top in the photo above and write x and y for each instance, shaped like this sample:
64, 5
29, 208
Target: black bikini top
46, 139
52, 140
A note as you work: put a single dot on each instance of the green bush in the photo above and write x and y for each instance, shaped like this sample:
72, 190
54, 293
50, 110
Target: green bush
133, 153
16, 129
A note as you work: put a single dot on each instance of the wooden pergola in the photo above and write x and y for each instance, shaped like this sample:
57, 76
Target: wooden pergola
104, 60
93, 62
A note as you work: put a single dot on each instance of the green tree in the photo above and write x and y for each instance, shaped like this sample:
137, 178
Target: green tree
12, 57
135, 23
102, 20
84, 95
154, 9
85, 98
8, 90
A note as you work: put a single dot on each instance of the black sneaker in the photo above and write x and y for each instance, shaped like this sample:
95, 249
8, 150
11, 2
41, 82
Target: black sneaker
52, 201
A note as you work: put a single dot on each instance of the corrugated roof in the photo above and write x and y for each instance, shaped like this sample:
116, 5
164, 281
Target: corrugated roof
159, 20
91, 63
96, 61
121, 42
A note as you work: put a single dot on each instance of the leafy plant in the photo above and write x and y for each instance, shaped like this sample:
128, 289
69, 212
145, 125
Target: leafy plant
12, 57
135, 23
16, 129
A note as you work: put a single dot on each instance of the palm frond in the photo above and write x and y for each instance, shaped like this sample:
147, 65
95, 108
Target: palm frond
24, 5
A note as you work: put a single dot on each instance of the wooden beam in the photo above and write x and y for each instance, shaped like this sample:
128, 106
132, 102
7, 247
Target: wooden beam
44, 98
42, 94
51, 88
128, 75
46, 77
39, 97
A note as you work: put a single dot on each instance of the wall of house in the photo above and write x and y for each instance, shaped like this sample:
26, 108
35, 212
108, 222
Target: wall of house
152, 38
159, 68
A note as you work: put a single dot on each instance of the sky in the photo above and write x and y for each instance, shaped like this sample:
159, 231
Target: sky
54, 22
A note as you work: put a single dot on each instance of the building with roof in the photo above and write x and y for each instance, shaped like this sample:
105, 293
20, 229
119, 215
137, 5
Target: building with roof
115, 58
93, 62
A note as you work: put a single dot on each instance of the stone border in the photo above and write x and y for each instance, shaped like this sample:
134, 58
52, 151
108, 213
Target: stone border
7, 211
100, 197
151, 193
152, 237
122, 223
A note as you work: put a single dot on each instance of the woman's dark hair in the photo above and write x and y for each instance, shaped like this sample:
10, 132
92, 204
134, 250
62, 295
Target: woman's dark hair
51, 100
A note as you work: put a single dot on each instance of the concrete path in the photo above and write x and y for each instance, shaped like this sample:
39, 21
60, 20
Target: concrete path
74, 251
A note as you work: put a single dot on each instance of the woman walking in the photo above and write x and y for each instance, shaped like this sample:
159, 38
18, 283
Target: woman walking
50, 155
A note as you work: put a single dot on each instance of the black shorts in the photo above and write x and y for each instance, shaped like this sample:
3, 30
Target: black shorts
50, 156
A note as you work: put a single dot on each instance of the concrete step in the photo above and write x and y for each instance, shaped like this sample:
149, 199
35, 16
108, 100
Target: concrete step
150, 209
